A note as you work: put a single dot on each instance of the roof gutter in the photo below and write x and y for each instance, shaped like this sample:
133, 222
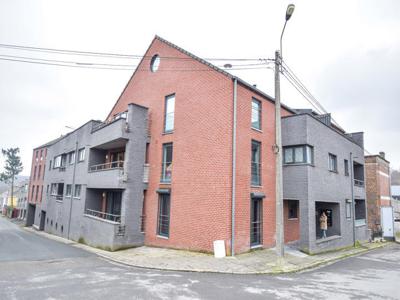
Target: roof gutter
234, 166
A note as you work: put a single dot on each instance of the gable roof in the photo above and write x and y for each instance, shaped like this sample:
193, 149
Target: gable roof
203, 61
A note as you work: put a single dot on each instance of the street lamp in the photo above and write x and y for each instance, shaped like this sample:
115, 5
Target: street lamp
280, 240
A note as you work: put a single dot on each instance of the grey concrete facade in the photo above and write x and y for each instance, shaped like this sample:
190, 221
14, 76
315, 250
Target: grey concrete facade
317, 188
84, 217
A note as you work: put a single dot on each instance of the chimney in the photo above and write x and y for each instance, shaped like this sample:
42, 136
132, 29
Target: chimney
382, 154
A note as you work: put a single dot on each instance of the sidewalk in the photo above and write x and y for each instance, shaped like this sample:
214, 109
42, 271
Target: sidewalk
256, 262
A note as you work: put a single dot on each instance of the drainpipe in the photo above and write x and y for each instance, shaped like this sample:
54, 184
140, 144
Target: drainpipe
234, 166
353, 207
72, 188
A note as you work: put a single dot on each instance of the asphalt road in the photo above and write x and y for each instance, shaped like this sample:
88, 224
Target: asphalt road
33, 267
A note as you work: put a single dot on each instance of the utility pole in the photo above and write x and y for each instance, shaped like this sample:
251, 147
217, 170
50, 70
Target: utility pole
278, 161
279, 230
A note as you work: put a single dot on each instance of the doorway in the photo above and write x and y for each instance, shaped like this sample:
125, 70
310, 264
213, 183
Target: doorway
42, 220
256, 222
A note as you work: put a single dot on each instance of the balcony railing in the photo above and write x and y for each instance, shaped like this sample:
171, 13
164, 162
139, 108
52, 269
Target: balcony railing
103, 215
107, 166
146, 169
358, 182
359, 222
57, 197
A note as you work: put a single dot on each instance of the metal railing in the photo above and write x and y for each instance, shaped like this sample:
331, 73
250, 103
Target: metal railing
358, 182
57, 197
103, 215
142, 223
146, 170
359, 222
107, 166
99, 125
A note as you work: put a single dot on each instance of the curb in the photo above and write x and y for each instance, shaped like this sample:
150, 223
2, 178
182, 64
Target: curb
310, 266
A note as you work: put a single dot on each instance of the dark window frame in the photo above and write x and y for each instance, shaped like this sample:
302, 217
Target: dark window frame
164, 215
305, 155
346, 167
256, 181
256, 222
293, 214
165, 164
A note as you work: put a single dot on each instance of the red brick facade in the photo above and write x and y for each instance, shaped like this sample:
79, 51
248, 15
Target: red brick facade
37, 175
201, 184
377, 171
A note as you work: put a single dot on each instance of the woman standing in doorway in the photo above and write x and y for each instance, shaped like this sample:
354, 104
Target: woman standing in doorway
323, 223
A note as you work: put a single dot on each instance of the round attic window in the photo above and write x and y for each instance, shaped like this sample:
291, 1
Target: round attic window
155, 63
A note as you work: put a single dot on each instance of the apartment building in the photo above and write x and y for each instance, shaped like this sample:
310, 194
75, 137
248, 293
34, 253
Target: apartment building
185, 158
202, 139
380, 210
94, 182
323, 171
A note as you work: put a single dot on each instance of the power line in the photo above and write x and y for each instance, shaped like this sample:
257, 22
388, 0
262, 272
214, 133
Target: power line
306, 93
90, 65
114, 55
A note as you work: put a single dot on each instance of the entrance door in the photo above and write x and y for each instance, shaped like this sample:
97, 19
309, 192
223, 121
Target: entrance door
256, 222
42, 219
387, 221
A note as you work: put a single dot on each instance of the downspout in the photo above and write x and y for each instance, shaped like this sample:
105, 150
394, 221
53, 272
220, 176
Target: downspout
72, 189
234, 166
353, 207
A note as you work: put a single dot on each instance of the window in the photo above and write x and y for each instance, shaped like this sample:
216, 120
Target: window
81, 154
303, 154
47, 190
77, 191
34, 173
33, 193
53, 189
293, 207
359, 211
256, 222
163, 215
169, 113
41, 154
346, 167
68, 190
71, 158
332, 162
37, 155
348, 209
39, 170
256, 114
50, 165
63, 160
57, 162
167, 163
255, 163
155, 63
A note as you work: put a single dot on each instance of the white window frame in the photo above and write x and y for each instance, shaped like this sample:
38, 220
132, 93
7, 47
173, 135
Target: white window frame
81, 154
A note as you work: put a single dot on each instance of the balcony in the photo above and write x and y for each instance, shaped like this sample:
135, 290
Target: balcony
107, 166
359, 183
103, 215
104, 133
112, 178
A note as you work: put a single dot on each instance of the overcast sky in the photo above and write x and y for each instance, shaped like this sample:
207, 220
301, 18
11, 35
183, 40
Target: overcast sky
347, 53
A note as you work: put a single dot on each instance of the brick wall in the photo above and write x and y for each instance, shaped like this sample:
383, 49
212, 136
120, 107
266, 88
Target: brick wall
202, 151
36, 180
377, 188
